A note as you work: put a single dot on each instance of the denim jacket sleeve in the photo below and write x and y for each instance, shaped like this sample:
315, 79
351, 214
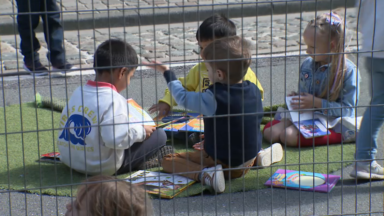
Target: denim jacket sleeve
346, 104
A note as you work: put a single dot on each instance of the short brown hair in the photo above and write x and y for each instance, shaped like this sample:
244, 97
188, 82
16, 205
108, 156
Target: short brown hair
108, 196
230, 55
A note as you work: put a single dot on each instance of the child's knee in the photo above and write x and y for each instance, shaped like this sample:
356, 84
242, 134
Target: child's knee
161, 136
290, 137
271, 134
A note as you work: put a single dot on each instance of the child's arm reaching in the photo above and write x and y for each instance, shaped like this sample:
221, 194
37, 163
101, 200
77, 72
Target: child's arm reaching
202, 102
190, 82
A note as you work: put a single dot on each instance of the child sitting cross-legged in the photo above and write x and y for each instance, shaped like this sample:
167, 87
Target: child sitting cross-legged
96, 136
232, 111
328, 84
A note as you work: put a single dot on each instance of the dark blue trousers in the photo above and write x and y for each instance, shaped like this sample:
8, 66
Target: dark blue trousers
28, 18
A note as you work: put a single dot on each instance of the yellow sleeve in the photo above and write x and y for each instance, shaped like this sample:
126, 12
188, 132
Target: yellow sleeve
190, 83
251, 76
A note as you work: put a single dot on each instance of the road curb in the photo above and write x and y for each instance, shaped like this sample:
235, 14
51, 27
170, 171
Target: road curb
187, 13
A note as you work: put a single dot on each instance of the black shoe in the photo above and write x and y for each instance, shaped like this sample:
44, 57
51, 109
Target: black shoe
36, 69
66, 66
63, 70
157, 158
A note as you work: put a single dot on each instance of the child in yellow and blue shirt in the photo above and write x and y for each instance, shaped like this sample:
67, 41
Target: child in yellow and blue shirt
214, 27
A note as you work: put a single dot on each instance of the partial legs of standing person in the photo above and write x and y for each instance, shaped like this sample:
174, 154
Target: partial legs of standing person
366, 145
53, 32
29, 13
28, 19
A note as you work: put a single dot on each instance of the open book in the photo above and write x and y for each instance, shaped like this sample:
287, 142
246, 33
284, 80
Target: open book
306, 122
161, 184
300, 180
136, 114
177, 121
193, 123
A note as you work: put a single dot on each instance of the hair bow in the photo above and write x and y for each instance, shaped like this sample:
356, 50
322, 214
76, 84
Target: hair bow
334, 20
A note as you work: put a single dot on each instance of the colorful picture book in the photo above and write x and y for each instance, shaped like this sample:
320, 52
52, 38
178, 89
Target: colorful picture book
306, 181
194, 124
311, 128
53, 157
137, 115
306, 122
161, 184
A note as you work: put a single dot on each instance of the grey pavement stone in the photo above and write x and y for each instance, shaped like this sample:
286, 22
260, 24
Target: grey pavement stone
178, 9
186, 3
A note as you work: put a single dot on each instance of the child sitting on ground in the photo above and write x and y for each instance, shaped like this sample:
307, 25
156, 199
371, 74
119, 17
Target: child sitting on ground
96, 136
197, 80
232, 111
107, 196
328, 84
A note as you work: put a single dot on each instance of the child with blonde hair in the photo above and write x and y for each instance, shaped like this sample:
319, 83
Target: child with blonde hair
107, 196
328, 83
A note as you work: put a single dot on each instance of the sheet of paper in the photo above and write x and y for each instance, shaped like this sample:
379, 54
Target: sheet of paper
296, 115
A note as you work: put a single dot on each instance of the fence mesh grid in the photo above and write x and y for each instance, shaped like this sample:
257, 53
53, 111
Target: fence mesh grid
52, 101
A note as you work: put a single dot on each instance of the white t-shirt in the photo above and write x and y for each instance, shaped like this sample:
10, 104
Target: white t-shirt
96, 118
369, 30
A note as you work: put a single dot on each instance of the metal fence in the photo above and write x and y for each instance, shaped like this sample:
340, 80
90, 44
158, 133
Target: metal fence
34, 106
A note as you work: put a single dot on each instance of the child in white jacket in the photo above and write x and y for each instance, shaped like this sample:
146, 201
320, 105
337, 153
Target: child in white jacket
96, 136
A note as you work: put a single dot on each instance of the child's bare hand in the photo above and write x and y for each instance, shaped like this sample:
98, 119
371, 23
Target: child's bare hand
199, 146
148, 130
162, 108
156, 65
305, 101
293, 93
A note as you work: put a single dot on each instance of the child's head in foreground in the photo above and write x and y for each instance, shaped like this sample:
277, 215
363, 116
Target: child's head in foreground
115, 62
227, 59
107, 196
214, 27
325, 35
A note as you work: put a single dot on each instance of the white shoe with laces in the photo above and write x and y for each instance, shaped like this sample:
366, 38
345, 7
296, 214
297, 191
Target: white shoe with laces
214, 177
367, 170
269, 156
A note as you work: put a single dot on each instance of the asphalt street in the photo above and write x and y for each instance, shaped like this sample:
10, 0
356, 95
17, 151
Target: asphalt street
278, 76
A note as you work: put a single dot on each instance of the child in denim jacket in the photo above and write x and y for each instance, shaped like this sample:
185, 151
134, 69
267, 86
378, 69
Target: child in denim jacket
328, 83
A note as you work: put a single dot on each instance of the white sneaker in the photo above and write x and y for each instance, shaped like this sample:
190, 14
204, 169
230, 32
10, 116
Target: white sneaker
366, 170
349, 136
269, 156
214, 177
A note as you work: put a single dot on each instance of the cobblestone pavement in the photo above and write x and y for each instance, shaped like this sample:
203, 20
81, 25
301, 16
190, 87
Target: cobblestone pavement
177, 42
87, 6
